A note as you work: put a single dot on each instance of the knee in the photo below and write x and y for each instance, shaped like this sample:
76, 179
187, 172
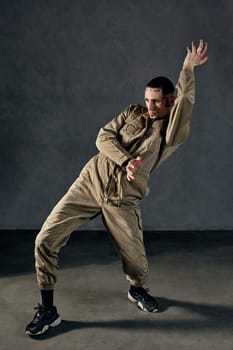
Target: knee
42, 240
39, 242
44, 248
51, 238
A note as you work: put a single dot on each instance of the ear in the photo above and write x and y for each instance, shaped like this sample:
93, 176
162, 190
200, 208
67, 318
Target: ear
171, 100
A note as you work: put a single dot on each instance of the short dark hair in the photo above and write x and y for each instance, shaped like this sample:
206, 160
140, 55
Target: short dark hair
162, 83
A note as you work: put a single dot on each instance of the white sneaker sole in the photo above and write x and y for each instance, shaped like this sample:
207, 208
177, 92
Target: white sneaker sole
46, 327
140, 304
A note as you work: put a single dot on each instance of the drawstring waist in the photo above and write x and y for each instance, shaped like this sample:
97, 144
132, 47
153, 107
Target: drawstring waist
113, 191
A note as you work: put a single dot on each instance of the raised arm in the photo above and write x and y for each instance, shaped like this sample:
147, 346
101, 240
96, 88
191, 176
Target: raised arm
179, 120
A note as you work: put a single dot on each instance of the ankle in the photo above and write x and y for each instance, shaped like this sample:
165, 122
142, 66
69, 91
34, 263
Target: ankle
47, 298
136, 288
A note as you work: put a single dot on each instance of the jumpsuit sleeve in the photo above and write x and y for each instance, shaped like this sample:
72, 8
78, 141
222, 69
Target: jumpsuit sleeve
179, 120
177, 130
107, 139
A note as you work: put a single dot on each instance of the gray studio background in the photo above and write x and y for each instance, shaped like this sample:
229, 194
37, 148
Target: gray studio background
68, 67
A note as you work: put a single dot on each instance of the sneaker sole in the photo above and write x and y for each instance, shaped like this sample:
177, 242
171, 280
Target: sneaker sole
139, 304
46, 327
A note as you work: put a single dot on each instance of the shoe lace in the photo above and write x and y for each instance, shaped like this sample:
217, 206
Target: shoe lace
40, 310
144, 292
39, 307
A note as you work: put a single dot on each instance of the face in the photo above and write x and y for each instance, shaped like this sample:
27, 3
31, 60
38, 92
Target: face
155, 103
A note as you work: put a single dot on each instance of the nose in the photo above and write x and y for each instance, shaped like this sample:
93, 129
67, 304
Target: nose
151, 106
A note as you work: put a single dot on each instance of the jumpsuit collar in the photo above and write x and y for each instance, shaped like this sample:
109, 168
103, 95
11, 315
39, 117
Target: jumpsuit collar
151, 121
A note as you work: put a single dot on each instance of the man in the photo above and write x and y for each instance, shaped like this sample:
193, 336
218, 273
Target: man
114, 182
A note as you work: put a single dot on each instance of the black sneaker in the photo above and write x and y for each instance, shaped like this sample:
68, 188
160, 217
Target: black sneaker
43, 319
144, 300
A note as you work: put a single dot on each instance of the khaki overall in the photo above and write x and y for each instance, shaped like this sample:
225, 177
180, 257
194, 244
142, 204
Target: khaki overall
102, 186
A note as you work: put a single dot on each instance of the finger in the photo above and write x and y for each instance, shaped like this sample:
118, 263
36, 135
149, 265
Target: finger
205, 48
130, 169
129, 172
135, 166
131, 164
136, 160
201, 44
194, 50
205, 59
202, 48
130, 177
199, 53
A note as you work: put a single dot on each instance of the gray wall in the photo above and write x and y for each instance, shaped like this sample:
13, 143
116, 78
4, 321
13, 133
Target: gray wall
67, 67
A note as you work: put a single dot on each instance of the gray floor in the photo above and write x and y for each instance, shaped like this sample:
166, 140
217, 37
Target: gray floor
190, 274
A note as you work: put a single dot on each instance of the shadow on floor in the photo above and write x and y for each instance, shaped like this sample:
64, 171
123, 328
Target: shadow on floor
211, 317
88, 247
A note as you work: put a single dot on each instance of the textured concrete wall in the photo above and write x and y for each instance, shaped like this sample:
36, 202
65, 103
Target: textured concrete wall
67, 67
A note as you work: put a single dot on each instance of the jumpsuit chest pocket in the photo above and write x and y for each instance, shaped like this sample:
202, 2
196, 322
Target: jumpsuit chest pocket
131, 131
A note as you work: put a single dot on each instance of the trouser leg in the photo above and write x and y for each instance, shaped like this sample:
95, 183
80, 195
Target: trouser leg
124, 225
77, 206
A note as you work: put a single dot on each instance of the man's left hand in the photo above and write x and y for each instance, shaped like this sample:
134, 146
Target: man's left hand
196, 56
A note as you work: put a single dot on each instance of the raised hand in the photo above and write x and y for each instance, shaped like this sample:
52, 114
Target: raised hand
196, 56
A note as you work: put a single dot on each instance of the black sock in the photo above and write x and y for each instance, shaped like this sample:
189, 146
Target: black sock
134, 289
47, 298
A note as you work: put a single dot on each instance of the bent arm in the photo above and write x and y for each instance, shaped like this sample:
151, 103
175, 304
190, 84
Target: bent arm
107, 142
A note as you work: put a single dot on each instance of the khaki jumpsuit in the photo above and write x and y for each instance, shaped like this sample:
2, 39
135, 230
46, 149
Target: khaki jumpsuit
102, 186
